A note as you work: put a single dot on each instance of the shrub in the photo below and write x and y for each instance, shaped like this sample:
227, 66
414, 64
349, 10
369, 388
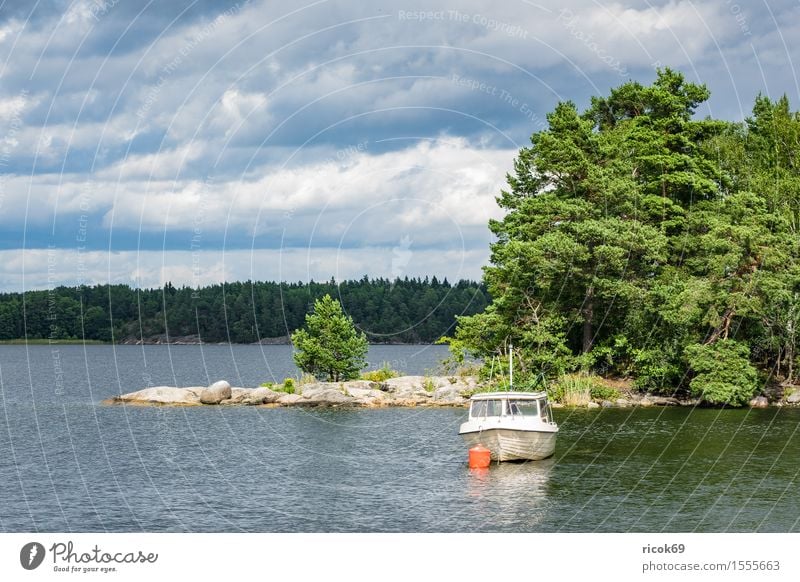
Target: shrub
723, 371
600, 392
381, 374
429, 385
287, 386
655, 370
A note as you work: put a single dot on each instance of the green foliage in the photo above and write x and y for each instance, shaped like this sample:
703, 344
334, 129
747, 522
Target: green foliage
286, 386
329, 346
383, 373
428, 385
573, 389
633, 231
600, 392
723, 371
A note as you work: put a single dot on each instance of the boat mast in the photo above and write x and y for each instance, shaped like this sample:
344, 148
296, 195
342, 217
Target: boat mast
510, 367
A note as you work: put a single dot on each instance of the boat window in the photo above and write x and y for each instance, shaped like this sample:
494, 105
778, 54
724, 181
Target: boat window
522, 408
478, 408
493, 407
482, 408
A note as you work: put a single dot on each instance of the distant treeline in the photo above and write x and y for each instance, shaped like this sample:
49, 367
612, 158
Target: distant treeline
400, 311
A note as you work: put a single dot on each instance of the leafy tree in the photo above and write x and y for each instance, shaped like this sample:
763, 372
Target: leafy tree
329, 346
638, 239
724, 373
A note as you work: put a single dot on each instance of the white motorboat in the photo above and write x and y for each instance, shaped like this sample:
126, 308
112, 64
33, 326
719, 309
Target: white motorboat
514, 426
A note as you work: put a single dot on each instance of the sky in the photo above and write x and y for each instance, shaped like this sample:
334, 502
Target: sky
203, 141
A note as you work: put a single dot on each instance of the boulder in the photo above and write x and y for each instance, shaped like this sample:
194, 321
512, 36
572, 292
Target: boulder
607, 404
288, 399
451, 394
238, 396
325, 396
262, 396
358, 385
161, 395
216, 393
439, 389
592, 405
367, 396
404, 386
251, 396
452, 390
794, 397
759, 402
622, 402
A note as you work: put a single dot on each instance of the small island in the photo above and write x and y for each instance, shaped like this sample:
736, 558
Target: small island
405, 391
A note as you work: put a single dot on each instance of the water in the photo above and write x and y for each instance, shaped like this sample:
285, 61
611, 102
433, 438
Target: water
70, 464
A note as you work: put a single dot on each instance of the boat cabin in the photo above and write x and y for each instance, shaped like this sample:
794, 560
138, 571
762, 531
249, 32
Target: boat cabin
510, 404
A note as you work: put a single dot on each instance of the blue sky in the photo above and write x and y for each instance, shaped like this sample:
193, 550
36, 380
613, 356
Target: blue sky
197, 142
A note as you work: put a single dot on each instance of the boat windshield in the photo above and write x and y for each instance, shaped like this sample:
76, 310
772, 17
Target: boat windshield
486, 408
523, 407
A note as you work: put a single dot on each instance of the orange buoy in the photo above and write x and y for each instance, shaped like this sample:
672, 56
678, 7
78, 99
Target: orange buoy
479, 457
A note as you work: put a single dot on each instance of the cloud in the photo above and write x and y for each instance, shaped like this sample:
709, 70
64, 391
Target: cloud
330, 124
48, 268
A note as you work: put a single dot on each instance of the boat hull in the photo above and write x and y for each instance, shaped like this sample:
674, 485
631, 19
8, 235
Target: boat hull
512, 444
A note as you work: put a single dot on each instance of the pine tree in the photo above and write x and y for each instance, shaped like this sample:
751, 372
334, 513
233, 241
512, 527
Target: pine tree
330, 346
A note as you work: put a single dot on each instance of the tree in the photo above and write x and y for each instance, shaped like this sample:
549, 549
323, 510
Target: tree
724, 373
329, 346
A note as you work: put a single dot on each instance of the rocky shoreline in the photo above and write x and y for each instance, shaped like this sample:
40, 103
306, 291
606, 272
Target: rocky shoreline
402, 391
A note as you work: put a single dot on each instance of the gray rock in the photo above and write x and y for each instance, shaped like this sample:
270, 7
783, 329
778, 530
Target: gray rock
592, 405
759, 402
324, 397
663, 400
622, 402
288, 399
161, 395
262, 396
216, 393
367, 396
794, 397
441, 389
607, 404
404, 385
238, 396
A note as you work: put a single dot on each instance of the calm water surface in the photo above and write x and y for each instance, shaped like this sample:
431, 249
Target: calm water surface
69, 464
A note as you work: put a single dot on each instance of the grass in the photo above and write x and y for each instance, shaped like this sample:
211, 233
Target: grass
429, 385
573, 389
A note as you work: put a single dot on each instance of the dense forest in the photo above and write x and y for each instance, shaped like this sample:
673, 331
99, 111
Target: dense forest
400, 311
644, 242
